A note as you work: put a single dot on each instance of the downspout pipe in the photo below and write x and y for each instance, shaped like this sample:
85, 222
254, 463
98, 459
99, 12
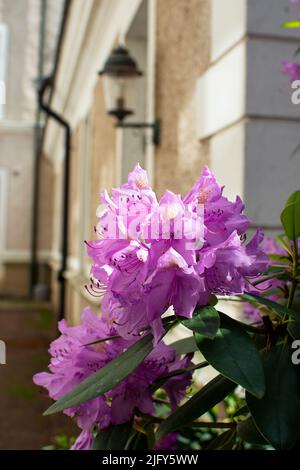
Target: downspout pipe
34, 267
65, 192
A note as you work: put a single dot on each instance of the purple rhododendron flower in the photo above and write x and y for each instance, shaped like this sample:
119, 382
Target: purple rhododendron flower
176, 252
291, 69
73, 359
168, 443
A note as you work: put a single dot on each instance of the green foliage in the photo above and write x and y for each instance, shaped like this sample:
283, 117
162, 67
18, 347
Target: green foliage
277, 414
207, 397
291, 24
113, 437
280, 310
205, 321
234, 354
290, 216
256, 357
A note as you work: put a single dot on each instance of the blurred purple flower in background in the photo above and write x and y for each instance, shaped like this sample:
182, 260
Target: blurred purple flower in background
73, 360
291, 69
274, 289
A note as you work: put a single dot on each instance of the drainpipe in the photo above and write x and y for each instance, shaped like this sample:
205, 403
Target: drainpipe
66, 189
34, 268
39, 138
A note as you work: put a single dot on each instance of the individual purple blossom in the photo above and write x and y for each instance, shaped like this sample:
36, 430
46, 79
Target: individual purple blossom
168, 443
291, 69
221, 216
73, 359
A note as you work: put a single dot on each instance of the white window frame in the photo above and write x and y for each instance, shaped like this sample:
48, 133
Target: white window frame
3, 210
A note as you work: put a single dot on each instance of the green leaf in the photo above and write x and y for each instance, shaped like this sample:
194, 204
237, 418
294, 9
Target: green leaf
213, 300
291, 24
294, 329
163, 379
184, 346
234, 355
247, 431
205, 321
290, 216
241, 411
211, 394
113, 437
275, 307
106, 378
280, 258
138, 441
277, 414
224, 441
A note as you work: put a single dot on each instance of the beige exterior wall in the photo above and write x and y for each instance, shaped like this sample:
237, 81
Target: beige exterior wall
93, 151
45, 207
183, 52
103, 152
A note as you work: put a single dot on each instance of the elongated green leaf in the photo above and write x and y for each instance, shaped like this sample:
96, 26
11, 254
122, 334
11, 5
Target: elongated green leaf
280, 258
113, 437
234, 355
291, 24
174, 373
205, 321
224, 441
211, 394
138, 441
275, 307
184, 346
277, 414
290, 216
248, 432
294, 329
107, 377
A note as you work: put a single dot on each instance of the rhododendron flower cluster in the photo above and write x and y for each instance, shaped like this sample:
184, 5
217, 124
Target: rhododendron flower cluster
150, 255
74, 358
176, 252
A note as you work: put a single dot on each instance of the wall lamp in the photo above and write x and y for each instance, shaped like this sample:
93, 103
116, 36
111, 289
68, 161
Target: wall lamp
120, 73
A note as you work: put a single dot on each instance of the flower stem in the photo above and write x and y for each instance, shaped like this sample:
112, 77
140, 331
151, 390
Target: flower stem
295, 273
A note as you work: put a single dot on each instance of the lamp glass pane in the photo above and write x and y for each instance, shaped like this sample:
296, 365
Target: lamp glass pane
119, 92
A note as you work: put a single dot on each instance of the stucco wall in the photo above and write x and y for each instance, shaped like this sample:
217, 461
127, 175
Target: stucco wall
182, 46
45, 207
103, 152
100, 165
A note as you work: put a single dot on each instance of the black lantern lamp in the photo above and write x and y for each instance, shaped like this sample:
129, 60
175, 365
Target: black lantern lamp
119, 76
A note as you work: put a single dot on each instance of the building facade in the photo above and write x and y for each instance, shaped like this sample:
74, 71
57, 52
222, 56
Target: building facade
22, 23
212, 75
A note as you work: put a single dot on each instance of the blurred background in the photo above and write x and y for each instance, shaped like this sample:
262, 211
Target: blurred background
211, 92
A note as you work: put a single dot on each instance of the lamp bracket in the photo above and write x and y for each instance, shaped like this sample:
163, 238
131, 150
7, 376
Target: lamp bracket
155, 126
